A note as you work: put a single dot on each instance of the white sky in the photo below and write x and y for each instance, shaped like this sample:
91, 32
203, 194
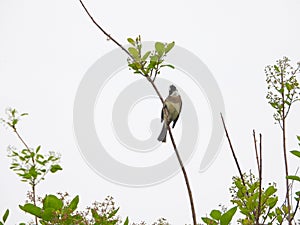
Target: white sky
47, 46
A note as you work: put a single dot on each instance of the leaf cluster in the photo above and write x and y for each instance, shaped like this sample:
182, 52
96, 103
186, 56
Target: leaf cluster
32, 166
13, 117
55, 210
283, 87
219, 217
149, 63
254, 202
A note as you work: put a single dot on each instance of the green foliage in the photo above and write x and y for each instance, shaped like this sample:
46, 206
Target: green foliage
247, 197
149, 63
217, 217
31, 165
283, 87
57, 210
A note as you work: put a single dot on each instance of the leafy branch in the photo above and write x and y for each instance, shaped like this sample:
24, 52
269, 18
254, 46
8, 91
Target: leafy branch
283, 91
28, 163
149, 70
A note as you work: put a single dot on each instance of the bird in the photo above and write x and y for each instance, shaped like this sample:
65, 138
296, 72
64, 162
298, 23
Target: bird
173, 105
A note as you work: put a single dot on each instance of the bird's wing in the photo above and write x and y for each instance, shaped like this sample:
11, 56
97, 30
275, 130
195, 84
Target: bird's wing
175, 120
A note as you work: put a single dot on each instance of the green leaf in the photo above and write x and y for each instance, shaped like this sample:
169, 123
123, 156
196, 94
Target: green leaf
298, 137
13, 112
14, 122
288, 86
293, 178
74, 203
153, 59
38, 149
270, 190
24, 114
4, 218
227, 216
55, 168
95, 214
126, 221
296, 153
168, 65
274, 105
276, 68
146, 55
48, 214
169, 46
113, 213
134, 52
160, 48
131, 41
208, 221
33, 173
32, 209
51, 201
215, 214
271, 202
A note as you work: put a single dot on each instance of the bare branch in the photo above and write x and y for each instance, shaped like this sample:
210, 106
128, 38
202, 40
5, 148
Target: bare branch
109, 37
233, 153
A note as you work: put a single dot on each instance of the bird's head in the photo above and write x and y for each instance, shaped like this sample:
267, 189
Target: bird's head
173, 90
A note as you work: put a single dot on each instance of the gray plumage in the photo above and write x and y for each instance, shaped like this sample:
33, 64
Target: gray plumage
163, 134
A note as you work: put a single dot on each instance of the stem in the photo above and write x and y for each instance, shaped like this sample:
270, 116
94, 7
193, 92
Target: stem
295, 211
104, 32
162, 100
260, 179
33, 161
34, 200
185, 176
284, 147
178, 157
233, 153
256, 151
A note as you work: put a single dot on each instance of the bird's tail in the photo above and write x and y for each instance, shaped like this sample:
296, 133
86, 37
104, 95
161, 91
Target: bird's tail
163, 134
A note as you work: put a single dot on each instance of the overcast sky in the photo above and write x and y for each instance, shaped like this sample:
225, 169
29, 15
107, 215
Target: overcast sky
47, 48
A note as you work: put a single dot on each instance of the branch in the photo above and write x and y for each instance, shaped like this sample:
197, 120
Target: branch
233, 153
256, 151
260, 179
109, 37
162, 100
33, 161
185, 176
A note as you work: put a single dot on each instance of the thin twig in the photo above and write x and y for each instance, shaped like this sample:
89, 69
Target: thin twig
260, 179
185, 176
104, 32
162, 100
256, 151
33, 161
233, 153
296, 208
19, 136
284, 144
297, 202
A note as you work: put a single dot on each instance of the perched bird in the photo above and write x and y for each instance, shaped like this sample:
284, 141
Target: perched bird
173, 106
